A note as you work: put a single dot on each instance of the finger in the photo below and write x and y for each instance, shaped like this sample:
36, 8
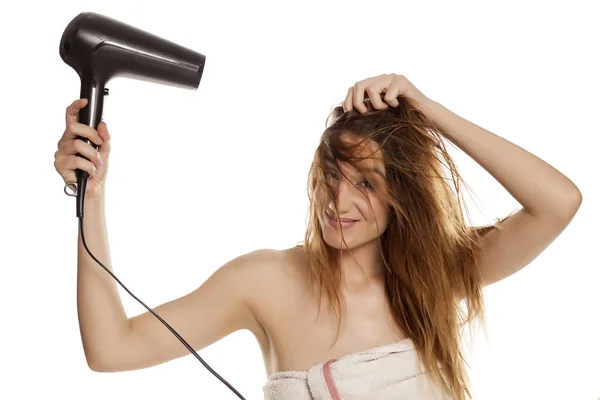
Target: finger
103, 131
375, 97
348, 100
359, 97
85, 150
76, 162
66, 166
72, 114
78, 129
391, 96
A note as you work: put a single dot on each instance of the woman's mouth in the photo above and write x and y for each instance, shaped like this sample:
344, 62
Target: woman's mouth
333, 222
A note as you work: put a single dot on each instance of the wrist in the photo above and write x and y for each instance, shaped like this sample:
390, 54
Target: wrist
432, 110
95, 199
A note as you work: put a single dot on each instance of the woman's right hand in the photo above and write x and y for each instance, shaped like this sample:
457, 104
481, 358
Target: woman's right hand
66, 160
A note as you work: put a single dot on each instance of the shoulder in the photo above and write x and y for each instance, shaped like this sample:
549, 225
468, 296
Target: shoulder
281, 281
276, 275
258, 264
265, 275
270, 268
271, 279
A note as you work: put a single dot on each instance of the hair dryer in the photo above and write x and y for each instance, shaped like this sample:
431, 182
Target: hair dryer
99, 48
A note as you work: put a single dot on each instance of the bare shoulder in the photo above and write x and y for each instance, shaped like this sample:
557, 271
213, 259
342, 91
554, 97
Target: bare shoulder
273, 272
273, 267
267, 266
277, 277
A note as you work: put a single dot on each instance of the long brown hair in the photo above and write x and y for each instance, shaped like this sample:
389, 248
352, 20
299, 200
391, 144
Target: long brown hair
428, 250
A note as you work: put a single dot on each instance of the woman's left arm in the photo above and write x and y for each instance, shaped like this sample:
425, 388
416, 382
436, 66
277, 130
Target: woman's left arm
550, 200
541, 189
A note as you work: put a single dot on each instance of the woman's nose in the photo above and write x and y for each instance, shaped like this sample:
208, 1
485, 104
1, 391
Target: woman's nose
345, 192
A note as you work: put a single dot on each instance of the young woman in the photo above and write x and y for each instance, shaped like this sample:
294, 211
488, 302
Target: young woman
374, 292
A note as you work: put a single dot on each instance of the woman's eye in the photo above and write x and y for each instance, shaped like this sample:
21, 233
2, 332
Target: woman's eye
368, 184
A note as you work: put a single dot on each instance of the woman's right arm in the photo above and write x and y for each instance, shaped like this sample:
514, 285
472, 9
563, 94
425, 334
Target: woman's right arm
112, 342
224, 303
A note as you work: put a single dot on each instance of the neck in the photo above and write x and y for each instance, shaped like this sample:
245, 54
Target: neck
363, 267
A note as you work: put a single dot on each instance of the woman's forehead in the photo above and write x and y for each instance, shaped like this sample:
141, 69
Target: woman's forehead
367, 165
369, 151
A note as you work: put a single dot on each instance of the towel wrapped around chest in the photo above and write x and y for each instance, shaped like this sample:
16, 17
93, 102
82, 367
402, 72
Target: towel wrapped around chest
386, 372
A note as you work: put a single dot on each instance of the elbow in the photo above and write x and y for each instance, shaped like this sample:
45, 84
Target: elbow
572, 206
108, 358
97, 365
94, 366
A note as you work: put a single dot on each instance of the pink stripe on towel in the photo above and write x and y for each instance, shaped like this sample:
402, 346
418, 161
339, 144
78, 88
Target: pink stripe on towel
329, 381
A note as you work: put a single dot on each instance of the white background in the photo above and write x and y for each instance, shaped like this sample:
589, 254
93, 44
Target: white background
199, 177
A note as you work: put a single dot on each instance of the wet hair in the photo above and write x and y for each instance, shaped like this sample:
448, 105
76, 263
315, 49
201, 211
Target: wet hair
428, 249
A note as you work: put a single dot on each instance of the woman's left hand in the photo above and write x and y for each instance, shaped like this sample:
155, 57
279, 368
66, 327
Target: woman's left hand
392, 85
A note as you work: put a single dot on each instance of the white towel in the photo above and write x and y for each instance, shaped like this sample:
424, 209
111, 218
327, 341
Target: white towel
383, 373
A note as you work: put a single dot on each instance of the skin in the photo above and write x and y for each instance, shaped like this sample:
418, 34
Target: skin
265, 291
361, 238
292, 337
295, 332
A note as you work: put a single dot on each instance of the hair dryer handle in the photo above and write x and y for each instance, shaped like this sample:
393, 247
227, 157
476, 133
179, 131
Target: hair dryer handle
90, 115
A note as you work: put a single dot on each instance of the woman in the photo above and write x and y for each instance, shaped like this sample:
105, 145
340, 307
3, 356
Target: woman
361, 305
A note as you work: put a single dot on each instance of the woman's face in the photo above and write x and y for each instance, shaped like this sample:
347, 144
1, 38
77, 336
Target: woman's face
354, 194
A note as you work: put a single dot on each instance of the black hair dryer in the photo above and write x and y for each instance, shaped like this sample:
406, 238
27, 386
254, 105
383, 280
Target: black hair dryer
99, 48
